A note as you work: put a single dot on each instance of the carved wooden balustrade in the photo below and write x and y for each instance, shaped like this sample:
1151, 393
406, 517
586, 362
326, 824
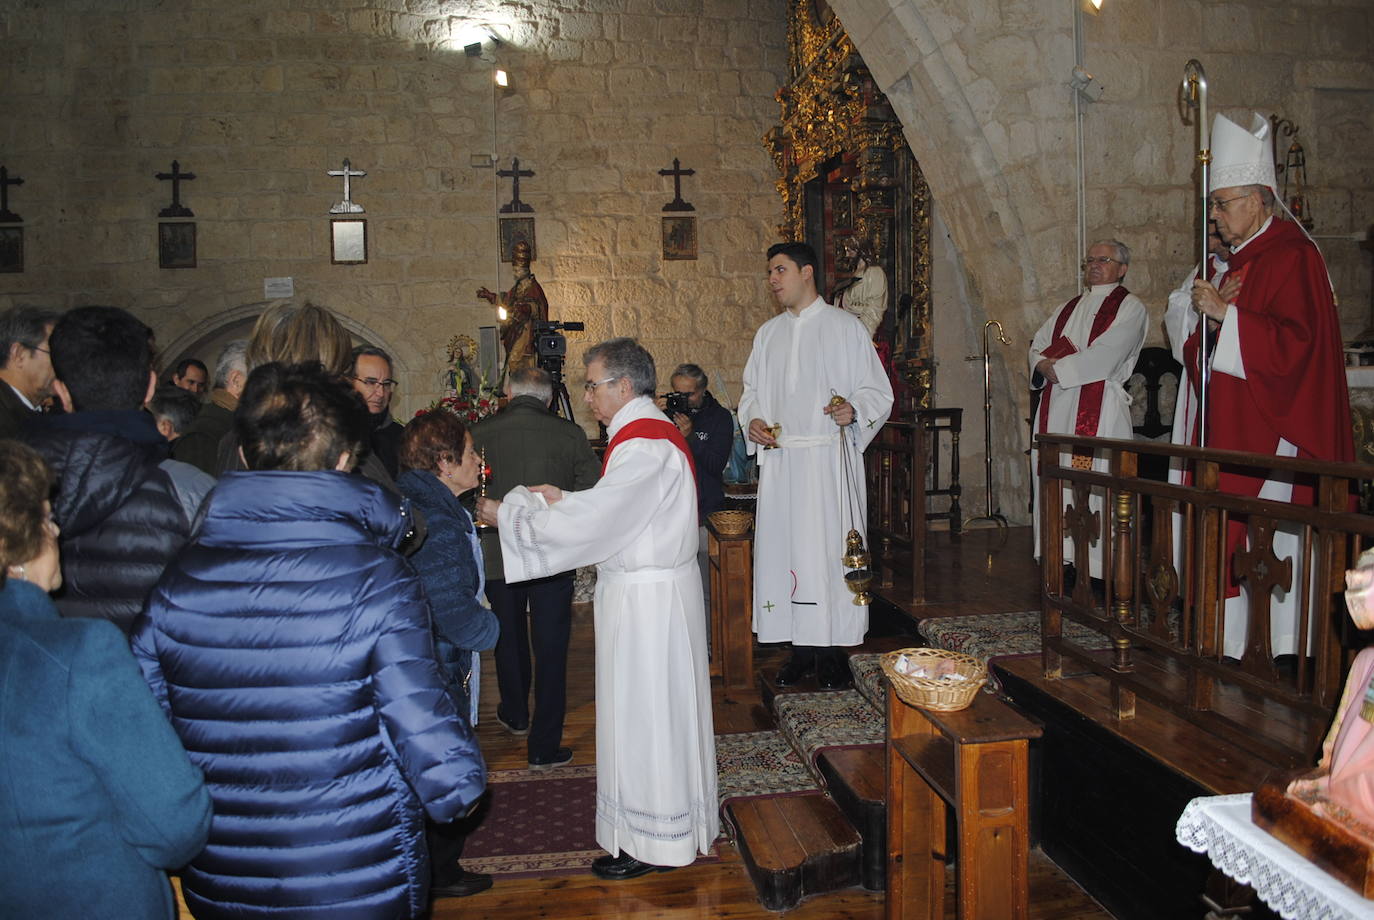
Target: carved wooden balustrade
1161, 608
903, 472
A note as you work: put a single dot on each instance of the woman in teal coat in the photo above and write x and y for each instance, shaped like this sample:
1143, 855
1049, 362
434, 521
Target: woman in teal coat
97, 796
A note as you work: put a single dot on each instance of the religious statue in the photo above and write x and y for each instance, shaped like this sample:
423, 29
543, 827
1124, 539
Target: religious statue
1342, 788
522, 307
462, 375
863, 289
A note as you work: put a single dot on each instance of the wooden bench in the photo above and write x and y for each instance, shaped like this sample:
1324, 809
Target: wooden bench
732, 607
976, 760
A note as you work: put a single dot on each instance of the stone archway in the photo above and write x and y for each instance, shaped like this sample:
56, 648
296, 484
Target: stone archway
205, 339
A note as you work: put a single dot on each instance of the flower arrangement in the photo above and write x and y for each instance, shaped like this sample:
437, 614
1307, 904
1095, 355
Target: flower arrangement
466, 396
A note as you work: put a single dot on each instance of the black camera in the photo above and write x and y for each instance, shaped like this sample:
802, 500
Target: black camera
677, 404
549, 341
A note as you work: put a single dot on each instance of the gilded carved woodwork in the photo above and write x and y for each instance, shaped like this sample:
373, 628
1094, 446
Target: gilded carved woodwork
831, 109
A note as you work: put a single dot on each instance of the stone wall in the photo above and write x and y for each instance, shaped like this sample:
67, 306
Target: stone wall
982, 91
259, 99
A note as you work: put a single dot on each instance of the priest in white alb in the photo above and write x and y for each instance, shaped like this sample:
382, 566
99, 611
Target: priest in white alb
1080, 360
656, 805
813, 371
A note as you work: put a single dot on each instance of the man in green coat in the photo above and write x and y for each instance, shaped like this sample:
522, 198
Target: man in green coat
527, 444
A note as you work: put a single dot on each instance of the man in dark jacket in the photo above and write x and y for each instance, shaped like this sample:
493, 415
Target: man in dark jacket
125, 509
25, 368
709, 431
526, 444
371, 378
199, 444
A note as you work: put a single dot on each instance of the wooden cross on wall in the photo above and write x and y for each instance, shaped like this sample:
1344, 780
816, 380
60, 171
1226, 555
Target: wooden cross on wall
515, 205
677, 172
6, 215
175, 209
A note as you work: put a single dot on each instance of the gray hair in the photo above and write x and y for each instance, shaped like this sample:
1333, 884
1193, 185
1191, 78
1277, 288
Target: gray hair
1266, 194
179, 407
693, 373
25, 326
625, 358
1123, 252
530, 381
231, 358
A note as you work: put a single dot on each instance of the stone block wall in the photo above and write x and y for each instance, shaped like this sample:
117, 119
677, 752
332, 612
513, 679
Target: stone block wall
259, 99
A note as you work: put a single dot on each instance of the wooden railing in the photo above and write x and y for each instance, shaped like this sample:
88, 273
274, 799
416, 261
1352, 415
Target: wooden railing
1161, 608
903, 473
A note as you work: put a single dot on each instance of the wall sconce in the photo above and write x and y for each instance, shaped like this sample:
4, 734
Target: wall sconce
502, 78
1294, 166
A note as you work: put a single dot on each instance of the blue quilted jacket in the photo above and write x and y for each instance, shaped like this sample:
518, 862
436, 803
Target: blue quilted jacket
291, 646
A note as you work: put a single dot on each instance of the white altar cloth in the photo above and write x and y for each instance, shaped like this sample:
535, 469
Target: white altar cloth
1220, 826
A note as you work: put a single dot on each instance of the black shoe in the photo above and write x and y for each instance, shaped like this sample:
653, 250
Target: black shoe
466, 884
624, 866
797, 667
560, 757
518, 729
832, 672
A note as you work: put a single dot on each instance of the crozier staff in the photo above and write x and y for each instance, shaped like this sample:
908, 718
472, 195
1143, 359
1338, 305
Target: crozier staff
655, 743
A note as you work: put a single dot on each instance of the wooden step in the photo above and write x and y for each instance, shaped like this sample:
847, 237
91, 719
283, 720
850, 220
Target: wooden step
795, 846
857, 780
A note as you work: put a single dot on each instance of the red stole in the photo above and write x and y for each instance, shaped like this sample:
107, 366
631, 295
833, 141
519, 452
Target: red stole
1090, 394
658, 428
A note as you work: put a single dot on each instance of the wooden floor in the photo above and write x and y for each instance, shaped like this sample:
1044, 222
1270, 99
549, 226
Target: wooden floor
981, 572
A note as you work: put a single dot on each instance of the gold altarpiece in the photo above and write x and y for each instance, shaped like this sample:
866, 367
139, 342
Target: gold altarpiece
846, 170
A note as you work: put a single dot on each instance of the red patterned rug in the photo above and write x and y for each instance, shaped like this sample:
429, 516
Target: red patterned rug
537, 823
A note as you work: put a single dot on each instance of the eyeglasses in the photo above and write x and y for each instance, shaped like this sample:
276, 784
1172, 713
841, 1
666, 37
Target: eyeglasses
1214, 205
42, 349
373, 383
593, 384
1100, 260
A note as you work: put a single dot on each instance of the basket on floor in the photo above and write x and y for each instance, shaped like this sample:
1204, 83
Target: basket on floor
731, 523
938, 695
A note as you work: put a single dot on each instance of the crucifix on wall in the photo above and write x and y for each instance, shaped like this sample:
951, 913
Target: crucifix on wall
176, 177
679, 234
176, 239
348, 205
515, 205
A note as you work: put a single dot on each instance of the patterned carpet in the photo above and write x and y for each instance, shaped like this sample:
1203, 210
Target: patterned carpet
759, 763
812, 722
990, 635
538, 823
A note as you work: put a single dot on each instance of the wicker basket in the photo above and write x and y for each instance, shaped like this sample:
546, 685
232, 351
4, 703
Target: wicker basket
936, 695
731, 523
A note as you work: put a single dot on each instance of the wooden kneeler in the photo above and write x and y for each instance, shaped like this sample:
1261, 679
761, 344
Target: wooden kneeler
795, 846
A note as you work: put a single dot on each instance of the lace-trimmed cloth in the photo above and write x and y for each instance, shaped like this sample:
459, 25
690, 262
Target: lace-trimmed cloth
1220, 826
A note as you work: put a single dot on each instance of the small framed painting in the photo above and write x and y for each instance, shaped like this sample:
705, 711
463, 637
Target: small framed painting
176, 244
348, 241
11, 249
680, 238
513, 230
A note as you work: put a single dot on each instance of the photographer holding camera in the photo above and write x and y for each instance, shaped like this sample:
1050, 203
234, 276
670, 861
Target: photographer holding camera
709, 431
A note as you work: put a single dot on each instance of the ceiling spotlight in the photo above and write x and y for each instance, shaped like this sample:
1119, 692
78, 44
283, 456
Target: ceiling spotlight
502, 79
473, 50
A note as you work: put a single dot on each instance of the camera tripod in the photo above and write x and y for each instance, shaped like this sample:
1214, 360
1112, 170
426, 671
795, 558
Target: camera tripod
561, 404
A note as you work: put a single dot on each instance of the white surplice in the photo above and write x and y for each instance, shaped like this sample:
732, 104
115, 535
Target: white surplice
804, 508
1110, 358
1180, 319
655, 740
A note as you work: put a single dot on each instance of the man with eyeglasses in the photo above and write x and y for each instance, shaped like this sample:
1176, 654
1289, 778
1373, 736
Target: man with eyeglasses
25, 365
1080, 360
371, 378
1277, 377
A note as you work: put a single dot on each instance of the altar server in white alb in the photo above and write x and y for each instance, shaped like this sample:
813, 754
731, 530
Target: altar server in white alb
802, 358
1080, 361
656, 803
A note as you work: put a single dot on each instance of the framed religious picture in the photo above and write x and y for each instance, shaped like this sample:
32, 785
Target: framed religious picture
11, 249
679, 238
488, 353
176, 244
348, 238
513, 230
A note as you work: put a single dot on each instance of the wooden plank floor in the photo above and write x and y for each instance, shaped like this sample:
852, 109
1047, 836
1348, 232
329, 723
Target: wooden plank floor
722, 889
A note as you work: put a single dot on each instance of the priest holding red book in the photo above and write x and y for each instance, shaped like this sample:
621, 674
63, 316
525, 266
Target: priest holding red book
1080, 360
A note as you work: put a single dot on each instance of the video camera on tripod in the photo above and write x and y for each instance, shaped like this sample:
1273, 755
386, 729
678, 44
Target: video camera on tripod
551, 350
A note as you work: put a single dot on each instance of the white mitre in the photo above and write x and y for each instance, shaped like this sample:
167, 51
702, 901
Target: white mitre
1241, 157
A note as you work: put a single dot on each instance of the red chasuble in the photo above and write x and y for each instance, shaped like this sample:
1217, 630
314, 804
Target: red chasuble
1290, 341
661, 429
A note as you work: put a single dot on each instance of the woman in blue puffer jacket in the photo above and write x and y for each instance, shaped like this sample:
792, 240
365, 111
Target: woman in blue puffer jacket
291, 646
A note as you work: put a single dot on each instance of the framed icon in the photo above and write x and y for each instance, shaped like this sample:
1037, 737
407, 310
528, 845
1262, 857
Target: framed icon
679, 238
176, 244
11, 249
513, 230
348, 241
